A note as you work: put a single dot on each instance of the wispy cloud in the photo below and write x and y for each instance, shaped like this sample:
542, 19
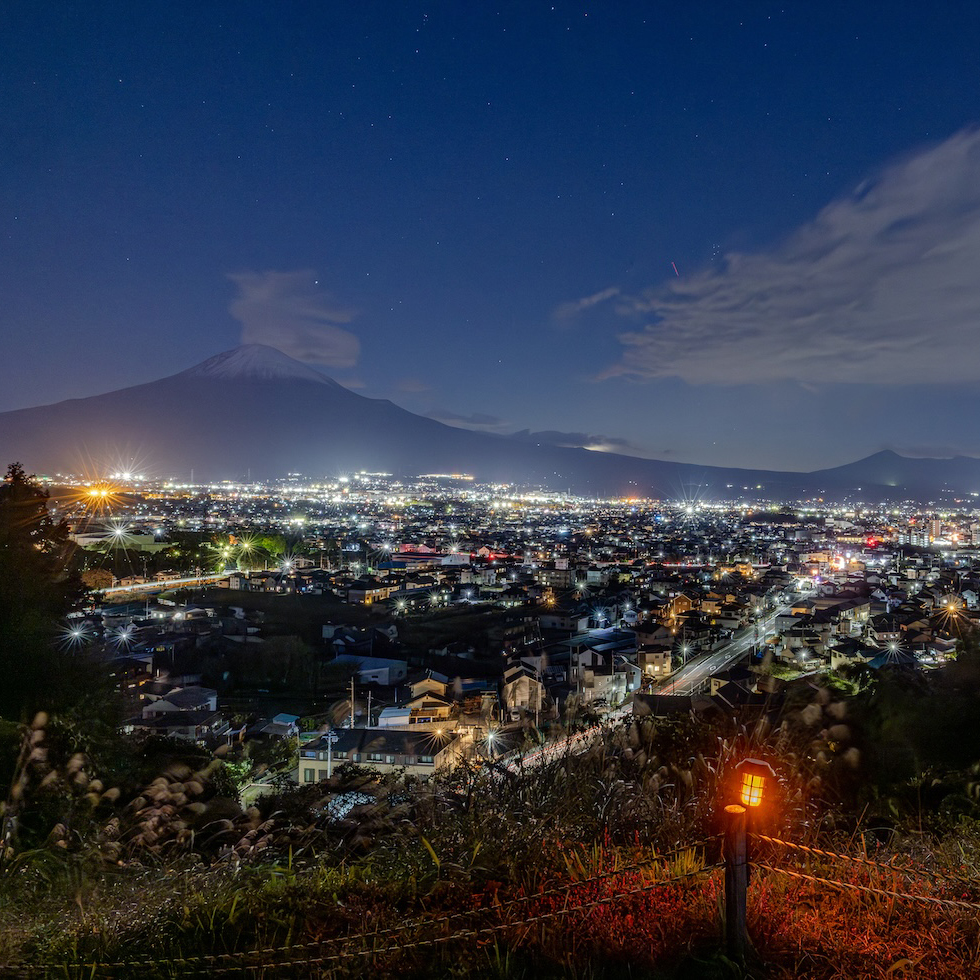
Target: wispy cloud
548, 437
476, 420
881, 287
572, 308
290, 311
578, 440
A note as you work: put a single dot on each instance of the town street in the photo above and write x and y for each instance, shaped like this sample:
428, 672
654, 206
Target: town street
689, 679
695, 673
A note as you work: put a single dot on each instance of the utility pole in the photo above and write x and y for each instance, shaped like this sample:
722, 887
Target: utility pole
369, 709
352, 702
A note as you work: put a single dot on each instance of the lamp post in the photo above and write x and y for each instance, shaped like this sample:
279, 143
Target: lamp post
753, 774
491, 742
736, 881
331, 737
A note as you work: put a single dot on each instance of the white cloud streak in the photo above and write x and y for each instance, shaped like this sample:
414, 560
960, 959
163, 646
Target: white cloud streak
475, 420
883, 287
578, 440
572, 308
288, 310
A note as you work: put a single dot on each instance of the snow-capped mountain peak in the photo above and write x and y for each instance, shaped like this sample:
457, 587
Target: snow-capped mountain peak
255, 362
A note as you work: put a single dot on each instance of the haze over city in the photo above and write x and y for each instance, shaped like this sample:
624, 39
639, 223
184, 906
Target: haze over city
740, 236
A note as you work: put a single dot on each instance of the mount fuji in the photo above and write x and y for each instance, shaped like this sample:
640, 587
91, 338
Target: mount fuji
255, 411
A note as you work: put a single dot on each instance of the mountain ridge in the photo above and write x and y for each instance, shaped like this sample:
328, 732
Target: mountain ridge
254, 409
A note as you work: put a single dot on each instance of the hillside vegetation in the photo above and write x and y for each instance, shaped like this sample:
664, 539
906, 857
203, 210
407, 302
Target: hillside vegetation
601, 864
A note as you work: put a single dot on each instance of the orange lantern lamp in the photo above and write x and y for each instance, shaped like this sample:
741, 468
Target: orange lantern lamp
753, 774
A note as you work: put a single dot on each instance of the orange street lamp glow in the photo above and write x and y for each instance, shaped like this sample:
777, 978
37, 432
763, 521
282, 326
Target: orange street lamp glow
754, 774
752, 787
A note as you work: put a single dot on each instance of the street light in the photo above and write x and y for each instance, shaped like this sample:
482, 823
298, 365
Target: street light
752, 785
74, 636
330, 737
753, 774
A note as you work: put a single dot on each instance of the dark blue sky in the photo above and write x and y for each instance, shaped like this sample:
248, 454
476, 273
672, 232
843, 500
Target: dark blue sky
473, 209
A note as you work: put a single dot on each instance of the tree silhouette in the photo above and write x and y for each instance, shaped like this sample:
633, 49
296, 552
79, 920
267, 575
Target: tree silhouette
37, 587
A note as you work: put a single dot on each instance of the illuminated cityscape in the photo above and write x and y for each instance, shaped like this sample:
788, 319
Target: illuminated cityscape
490, 491
803, 587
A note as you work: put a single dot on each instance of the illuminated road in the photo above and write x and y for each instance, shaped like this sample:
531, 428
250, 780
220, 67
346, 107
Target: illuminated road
568, 745
695, 673
550, 751
163, 586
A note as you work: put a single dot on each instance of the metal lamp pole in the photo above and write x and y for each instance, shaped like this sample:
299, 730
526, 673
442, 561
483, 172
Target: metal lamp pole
331, 738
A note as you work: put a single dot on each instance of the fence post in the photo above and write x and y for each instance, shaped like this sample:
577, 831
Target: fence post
736, 882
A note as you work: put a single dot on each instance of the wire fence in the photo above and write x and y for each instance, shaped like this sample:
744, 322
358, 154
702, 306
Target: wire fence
659, 870
892, 869
487, 931
870, 889
323, 952
867, 862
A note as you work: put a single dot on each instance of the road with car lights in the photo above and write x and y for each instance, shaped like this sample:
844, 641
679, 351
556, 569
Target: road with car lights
163, 586
696, 672
690, 678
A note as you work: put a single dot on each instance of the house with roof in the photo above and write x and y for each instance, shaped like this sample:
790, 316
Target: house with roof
681, 603
420, 753
655, 661
430, 681
187, 713
853, 651
180, 699
604, 684
428, 709
884, 629
521, 691
373, 670
282, 725
367, 591
569, 619
695, 631
201, 727
736, 675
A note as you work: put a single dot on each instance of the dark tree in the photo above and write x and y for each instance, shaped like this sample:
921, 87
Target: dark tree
37, 588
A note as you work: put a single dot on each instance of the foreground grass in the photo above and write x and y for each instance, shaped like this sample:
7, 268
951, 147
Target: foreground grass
359, 920
598, 864
601, 911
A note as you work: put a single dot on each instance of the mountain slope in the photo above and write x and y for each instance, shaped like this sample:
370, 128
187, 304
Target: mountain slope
255, 410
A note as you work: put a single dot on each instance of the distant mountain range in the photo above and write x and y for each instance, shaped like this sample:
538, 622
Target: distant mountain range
254, 412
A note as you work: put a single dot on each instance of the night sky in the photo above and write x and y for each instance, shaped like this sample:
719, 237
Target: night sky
476, 210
